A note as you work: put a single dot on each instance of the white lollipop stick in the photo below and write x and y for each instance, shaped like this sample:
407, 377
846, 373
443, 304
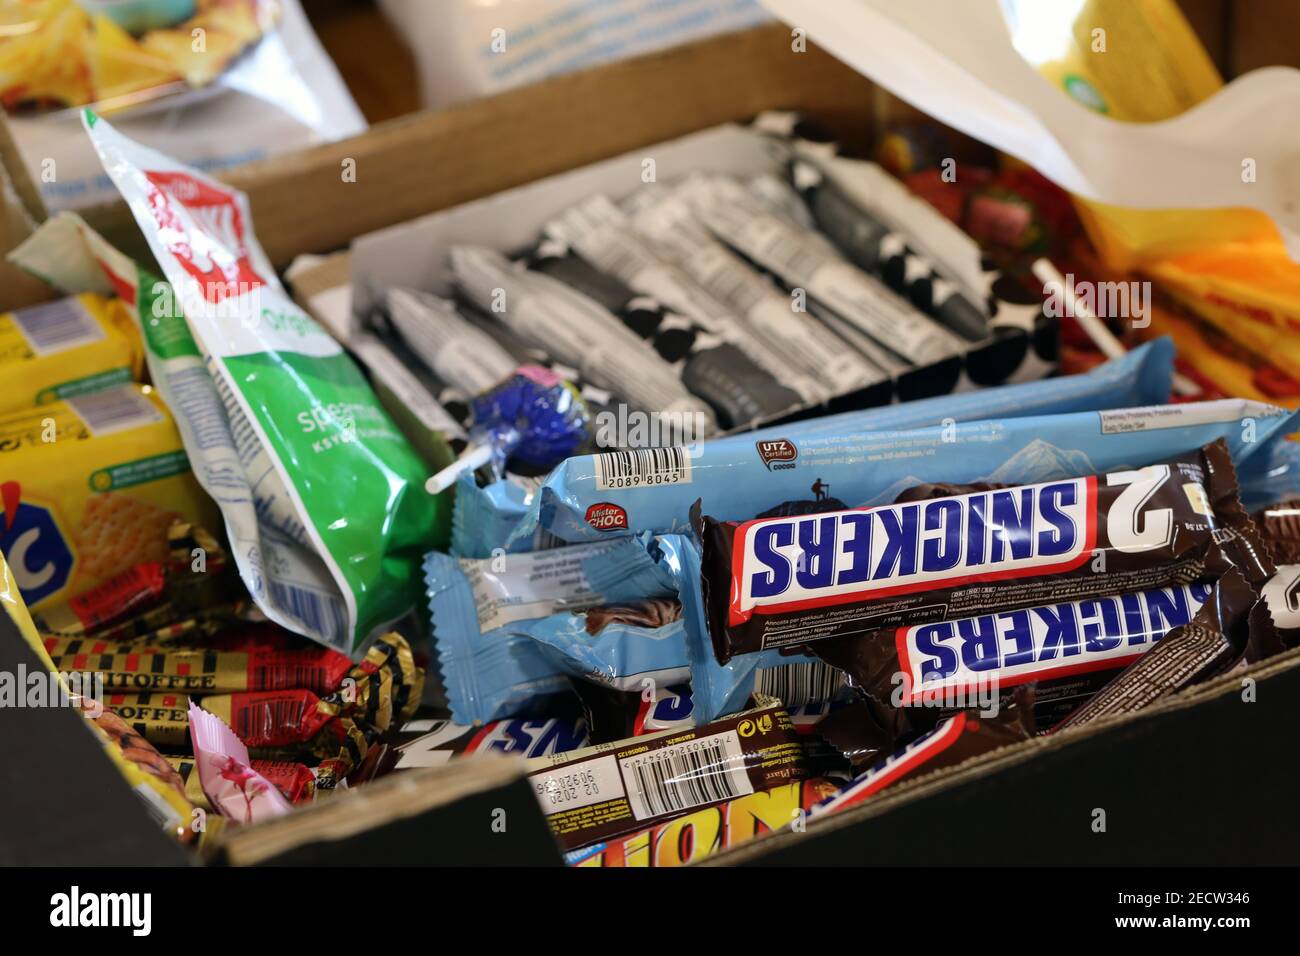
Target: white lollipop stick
475, 456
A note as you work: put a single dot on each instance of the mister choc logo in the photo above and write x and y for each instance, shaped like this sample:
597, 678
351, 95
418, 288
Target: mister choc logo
606, 516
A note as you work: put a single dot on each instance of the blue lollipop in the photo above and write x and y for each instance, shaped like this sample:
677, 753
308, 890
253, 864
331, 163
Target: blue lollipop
533, 418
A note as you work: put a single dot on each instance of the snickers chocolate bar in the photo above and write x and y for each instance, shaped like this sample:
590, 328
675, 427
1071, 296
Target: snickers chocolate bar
786, 581
444, 741
961, 737
1214, 640
1279, 526
1068, 650
1275, 621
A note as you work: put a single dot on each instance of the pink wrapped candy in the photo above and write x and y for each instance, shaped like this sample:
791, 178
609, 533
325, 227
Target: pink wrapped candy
232, 786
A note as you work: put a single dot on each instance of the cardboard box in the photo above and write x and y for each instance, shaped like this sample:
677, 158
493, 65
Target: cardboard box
1201, 778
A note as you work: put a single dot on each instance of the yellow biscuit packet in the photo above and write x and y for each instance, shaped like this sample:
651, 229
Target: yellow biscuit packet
68, 347
13, 604
88, 488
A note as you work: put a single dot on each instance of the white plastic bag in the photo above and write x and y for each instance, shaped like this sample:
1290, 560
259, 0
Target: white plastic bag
954, 59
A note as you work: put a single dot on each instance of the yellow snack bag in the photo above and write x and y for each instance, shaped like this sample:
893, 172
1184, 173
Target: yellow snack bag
1135, 60
1140, 61
1219, 362
144, 769
88, 488
1249, 291
68, 347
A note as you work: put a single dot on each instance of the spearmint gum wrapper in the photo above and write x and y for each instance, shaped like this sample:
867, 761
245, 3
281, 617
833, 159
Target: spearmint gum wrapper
667, 218
717, 371
493, 667
782, 248
576, 331
322, 495
599, 232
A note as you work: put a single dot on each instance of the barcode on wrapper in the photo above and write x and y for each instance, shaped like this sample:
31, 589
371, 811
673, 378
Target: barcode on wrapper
57, 326
266, 719
544, 540
115, 410
321, 613
693, 774
642, 468
798, 684
289, 677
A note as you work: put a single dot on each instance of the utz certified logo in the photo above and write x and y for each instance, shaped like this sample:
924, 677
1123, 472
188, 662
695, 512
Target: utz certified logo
777, 453
33, 546
604, 516
203, 228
